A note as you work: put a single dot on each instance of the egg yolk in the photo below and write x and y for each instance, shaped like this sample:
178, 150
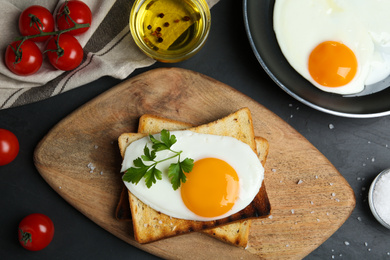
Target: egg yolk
211, 188
332, 64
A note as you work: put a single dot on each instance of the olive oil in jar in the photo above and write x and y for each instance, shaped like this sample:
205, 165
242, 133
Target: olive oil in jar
170, 27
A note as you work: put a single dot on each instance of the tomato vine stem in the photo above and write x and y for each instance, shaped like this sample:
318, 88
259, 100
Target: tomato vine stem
75, 27
18, 53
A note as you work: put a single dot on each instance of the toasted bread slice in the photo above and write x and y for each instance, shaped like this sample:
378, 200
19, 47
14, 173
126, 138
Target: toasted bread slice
234, 233
150, 225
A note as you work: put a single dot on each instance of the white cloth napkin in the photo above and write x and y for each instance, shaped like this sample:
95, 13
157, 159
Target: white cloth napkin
109, 50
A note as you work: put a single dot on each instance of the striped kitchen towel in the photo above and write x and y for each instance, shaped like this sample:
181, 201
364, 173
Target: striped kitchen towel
109, 50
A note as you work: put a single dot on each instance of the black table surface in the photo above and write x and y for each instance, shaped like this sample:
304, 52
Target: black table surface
358, 148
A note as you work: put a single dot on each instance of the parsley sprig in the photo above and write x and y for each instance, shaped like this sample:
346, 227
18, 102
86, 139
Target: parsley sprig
176, 171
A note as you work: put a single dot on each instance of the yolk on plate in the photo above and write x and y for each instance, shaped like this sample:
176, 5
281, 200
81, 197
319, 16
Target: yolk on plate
211, 188
332, 64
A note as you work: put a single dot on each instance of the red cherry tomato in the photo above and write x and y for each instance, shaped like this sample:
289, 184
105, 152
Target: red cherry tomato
36, 231
77, 11
9, 146
70, 54
35, 19
23, 61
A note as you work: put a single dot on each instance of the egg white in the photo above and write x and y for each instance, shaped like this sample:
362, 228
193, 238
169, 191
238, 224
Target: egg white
161, 196
362, 25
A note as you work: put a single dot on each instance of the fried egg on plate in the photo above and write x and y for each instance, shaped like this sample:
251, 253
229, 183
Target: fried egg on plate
226, 177
338, 45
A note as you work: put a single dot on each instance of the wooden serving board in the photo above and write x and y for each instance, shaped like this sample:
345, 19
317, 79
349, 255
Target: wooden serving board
310, 199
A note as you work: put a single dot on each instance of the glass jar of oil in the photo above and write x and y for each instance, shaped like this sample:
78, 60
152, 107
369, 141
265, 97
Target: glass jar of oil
170, 30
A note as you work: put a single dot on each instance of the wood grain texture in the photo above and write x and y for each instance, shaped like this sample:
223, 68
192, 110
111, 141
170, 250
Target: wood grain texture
310, 199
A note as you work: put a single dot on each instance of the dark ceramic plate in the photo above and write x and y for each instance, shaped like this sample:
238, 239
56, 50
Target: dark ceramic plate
258, 16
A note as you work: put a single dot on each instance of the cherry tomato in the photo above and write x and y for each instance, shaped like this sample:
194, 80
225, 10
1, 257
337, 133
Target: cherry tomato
35, 19
74, 10
70, 54
9, 146
36, 231
23, 61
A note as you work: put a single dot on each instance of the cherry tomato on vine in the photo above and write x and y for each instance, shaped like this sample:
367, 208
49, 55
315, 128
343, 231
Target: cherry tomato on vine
68, 56
25, 60
35, 19
36, 231
74, 10
9, 146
